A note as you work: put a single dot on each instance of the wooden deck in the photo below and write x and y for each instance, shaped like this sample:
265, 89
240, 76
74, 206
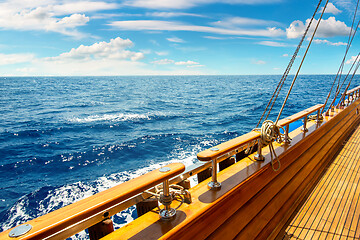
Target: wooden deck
332, 211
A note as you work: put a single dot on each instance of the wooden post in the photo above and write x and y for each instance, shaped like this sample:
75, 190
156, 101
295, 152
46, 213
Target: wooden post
101, 229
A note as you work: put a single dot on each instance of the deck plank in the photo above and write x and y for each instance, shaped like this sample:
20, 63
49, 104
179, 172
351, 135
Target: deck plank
332, 210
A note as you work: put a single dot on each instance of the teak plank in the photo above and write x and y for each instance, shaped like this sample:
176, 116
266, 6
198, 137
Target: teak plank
338, 216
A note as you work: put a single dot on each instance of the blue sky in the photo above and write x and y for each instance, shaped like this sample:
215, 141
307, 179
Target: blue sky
166, 37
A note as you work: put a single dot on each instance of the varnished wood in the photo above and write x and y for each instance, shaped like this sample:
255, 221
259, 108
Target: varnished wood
333, 207
229, 146
353, 90
242, 183
266, 198
78, 216
300, 115
254, 201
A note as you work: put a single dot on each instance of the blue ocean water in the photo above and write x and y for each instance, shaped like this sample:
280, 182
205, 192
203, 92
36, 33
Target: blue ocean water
65, 138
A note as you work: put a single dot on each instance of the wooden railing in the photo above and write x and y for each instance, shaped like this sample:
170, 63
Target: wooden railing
73, 218
78, 216
351, 96
233, 146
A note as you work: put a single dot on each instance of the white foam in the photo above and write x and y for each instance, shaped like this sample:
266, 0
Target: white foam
71, 193
118, 117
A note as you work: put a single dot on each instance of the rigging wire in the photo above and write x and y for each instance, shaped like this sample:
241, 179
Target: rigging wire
271, 129
355, 70
302, 61
339, 73
286, 73
348, 46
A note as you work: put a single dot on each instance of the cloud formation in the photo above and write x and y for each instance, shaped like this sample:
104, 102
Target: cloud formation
232, 22
184, 4
180, 63
163, 61
173, 14
272, 44
50, 16
351, 60
328, 28
175, 39
7, 59
330, 8
258, 62
187, 63
156, 25
114, 49
318, 41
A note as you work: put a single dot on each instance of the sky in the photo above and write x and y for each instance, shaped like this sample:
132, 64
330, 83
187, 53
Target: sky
170, 37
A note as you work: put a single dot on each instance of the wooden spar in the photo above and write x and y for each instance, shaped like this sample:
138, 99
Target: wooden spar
254, 202
78, 216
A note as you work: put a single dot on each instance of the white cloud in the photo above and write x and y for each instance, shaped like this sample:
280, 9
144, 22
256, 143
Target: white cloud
351, 60
330, 8
7, 59
92, 67
183, 4
81, 6
164, 53
216, 38
163, 62
187, 63
272, 44
175, 39
349, 5
115, 49
242, 21
327, 28
155, 25
285, 55
319, 41
173, 14
258, 62
49, 16
195, 66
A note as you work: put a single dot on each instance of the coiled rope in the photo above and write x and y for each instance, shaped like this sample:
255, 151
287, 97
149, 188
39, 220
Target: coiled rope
286, 73
269, 133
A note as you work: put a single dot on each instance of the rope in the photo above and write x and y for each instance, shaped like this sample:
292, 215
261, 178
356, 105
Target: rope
355, 70
337, 93
270, 133
286, 73
339, 73
302, 61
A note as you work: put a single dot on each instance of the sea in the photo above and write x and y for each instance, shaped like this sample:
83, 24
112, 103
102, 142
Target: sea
63, 139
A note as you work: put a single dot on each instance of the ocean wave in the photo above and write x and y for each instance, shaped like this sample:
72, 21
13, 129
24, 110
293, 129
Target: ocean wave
47, 199
119, 117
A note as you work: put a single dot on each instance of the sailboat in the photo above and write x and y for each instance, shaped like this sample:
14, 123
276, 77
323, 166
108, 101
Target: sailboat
251, 187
